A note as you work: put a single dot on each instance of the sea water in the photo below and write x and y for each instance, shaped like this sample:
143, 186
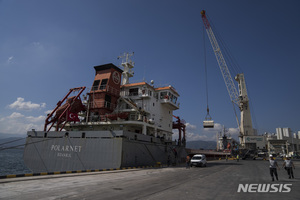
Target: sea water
11, 162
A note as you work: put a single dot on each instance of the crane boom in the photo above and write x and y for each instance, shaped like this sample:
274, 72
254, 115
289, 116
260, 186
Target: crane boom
238, 98
234, 96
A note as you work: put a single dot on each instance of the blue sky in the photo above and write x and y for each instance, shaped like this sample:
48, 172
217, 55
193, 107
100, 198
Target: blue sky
48, 47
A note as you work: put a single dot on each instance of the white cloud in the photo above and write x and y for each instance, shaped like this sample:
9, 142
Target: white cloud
218, 128
10, 60
190, 126
36, 44
48, 112
234, 131
20, 104
195, 137
36, 119
15, 115
17, 123
192, 133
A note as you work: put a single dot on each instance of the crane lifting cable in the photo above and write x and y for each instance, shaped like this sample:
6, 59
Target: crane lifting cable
208, 122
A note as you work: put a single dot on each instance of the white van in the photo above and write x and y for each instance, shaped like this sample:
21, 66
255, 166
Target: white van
198, 160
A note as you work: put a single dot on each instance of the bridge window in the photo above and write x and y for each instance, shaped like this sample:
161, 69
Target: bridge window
171, 96
103, 84
107, 101
164, 95
133, 92
95, 85
174, 100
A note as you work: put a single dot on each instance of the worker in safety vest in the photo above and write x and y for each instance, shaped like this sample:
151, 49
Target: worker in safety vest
273, 168
288, 166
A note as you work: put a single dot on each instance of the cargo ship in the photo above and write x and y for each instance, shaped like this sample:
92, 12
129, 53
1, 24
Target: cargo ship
115, 124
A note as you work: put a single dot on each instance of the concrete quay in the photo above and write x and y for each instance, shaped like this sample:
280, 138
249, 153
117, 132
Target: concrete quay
246, 179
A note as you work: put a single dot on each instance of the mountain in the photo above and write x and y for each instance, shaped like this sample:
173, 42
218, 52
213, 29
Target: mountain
201, 144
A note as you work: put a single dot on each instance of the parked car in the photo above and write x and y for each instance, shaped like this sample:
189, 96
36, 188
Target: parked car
198, 160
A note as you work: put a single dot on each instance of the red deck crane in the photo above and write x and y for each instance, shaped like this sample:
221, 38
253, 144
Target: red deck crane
180, 125
66, 112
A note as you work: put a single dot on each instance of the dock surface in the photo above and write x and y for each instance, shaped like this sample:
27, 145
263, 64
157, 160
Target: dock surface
219, 180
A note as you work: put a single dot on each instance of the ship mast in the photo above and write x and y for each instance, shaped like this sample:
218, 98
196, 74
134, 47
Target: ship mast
128, 65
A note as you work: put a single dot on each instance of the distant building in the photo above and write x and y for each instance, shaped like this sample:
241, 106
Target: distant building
283, 142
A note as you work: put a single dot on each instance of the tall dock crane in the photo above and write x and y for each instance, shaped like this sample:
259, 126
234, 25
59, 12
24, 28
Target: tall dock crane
240, 98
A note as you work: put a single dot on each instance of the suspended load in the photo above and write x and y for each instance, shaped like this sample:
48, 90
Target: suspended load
208, 122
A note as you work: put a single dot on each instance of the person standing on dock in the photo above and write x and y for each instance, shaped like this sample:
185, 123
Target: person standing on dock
273, 168
289, 165
188, 160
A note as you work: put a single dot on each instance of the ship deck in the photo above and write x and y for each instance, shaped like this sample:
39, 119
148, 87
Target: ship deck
219, 180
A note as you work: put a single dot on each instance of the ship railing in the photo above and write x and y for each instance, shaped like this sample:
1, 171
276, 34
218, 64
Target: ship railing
132, 106
98, 119
133, 117
165, 100
128, 94
106, 88
140, 93
102, 104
